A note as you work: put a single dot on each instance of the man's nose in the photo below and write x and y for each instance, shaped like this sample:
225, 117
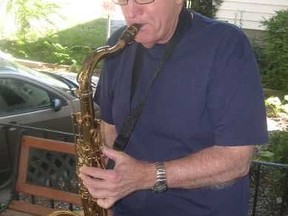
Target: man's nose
132, 9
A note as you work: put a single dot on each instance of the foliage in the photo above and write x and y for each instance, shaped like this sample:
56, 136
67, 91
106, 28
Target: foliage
275, 54
27, 11
279, 146
275, 107
68, 47
277, 149
205, 7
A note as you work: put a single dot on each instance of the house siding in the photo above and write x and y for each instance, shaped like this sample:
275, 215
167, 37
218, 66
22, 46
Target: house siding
249, 14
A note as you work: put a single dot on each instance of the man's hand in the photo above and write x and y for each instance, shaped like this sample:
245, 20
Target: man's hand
109, 186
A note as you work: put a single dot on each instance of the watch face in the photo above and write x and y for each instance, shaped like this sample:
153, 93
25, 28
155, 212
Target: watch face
159, 187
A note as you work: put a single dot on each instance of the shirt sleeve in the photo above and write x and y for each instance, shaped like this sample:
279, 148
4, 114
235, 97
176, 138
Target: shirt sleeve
235, 98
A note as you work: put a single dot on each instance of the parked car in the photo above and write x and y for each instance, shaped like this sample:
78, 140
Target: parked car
33, 98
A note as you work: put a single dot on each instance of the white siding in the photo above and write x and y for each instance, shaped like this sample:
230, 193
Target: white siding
248, 14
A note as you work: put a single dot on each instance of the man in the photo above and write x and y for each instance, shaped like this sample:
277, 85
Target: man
191, 149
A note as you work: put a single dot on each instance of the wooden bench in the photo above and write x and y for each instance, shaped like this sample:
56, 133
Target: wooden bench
23, 186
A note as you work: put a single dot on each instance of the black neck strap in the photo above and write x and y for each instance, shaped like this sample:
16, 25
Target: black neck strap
129, 123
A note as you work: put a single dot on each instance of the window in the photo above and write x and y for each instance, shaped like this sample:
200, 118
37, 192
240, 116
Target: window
20, 96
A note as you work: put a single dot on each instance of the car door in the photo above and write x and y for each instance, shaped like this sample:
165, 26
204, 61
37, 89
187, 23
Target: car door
25, 102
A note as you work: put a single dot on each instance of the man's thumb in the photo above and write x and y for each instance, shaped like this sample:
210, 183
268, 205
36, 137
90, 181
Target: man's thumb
112, 155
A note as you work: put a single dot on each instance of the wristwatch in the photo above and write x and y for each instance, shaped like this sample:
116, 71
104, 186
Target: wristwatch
161, 181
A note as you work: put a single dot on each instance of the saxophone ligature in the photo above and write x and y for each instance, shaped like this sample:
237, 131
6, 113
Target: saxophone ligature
87, 133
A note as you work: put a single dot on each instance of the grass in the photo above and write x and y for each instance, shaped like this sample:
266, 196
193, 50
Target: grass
68, 46
90, 34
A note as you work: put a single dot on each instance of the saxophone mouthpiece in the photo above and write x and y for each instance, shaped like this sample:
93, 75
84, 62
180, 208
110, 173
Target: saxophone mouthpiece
137, 25
130, 32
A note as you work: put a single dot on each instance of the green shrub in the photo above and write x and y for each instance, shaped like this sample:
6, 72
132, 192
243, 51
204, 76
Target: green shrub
279, 146
25, 12
274, 66
68, 47
276, 150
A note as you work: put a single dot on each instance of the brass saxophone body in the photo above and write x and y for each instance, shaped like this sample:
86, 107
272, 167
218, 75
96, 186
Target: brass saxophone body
87, 133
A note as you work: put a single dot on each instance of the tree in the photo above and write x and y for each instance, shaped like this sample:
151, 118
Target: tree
275, 54
205, 7
27, 11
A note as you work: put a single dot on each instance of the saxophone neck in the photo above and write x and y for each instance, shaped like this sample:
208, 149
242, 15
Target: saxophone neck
92, 60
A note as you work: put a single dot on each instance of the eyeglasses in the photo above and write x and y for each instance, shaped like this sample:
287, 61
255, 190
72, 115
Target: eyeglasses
125, 2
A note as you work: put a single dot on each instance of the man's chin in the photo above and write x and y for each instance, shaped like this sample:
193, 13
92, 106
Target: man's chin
144, 41
147, 45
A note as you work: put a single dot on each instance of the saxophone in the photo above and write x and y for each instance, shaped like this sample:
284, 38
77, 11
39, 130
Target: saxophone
87, 133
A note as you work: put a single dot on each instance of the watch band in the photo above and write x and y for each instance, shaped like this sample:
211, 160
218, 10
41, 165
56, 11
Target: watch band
161, 181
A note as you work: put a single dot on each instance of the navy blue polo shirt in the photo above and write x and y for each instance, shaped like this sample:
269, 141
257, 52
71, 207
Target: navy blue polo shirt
208, 93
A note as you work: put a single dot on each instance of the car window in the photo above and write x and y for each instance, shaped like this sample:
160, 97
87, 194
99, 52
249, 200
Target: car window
20, 96
42, 76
